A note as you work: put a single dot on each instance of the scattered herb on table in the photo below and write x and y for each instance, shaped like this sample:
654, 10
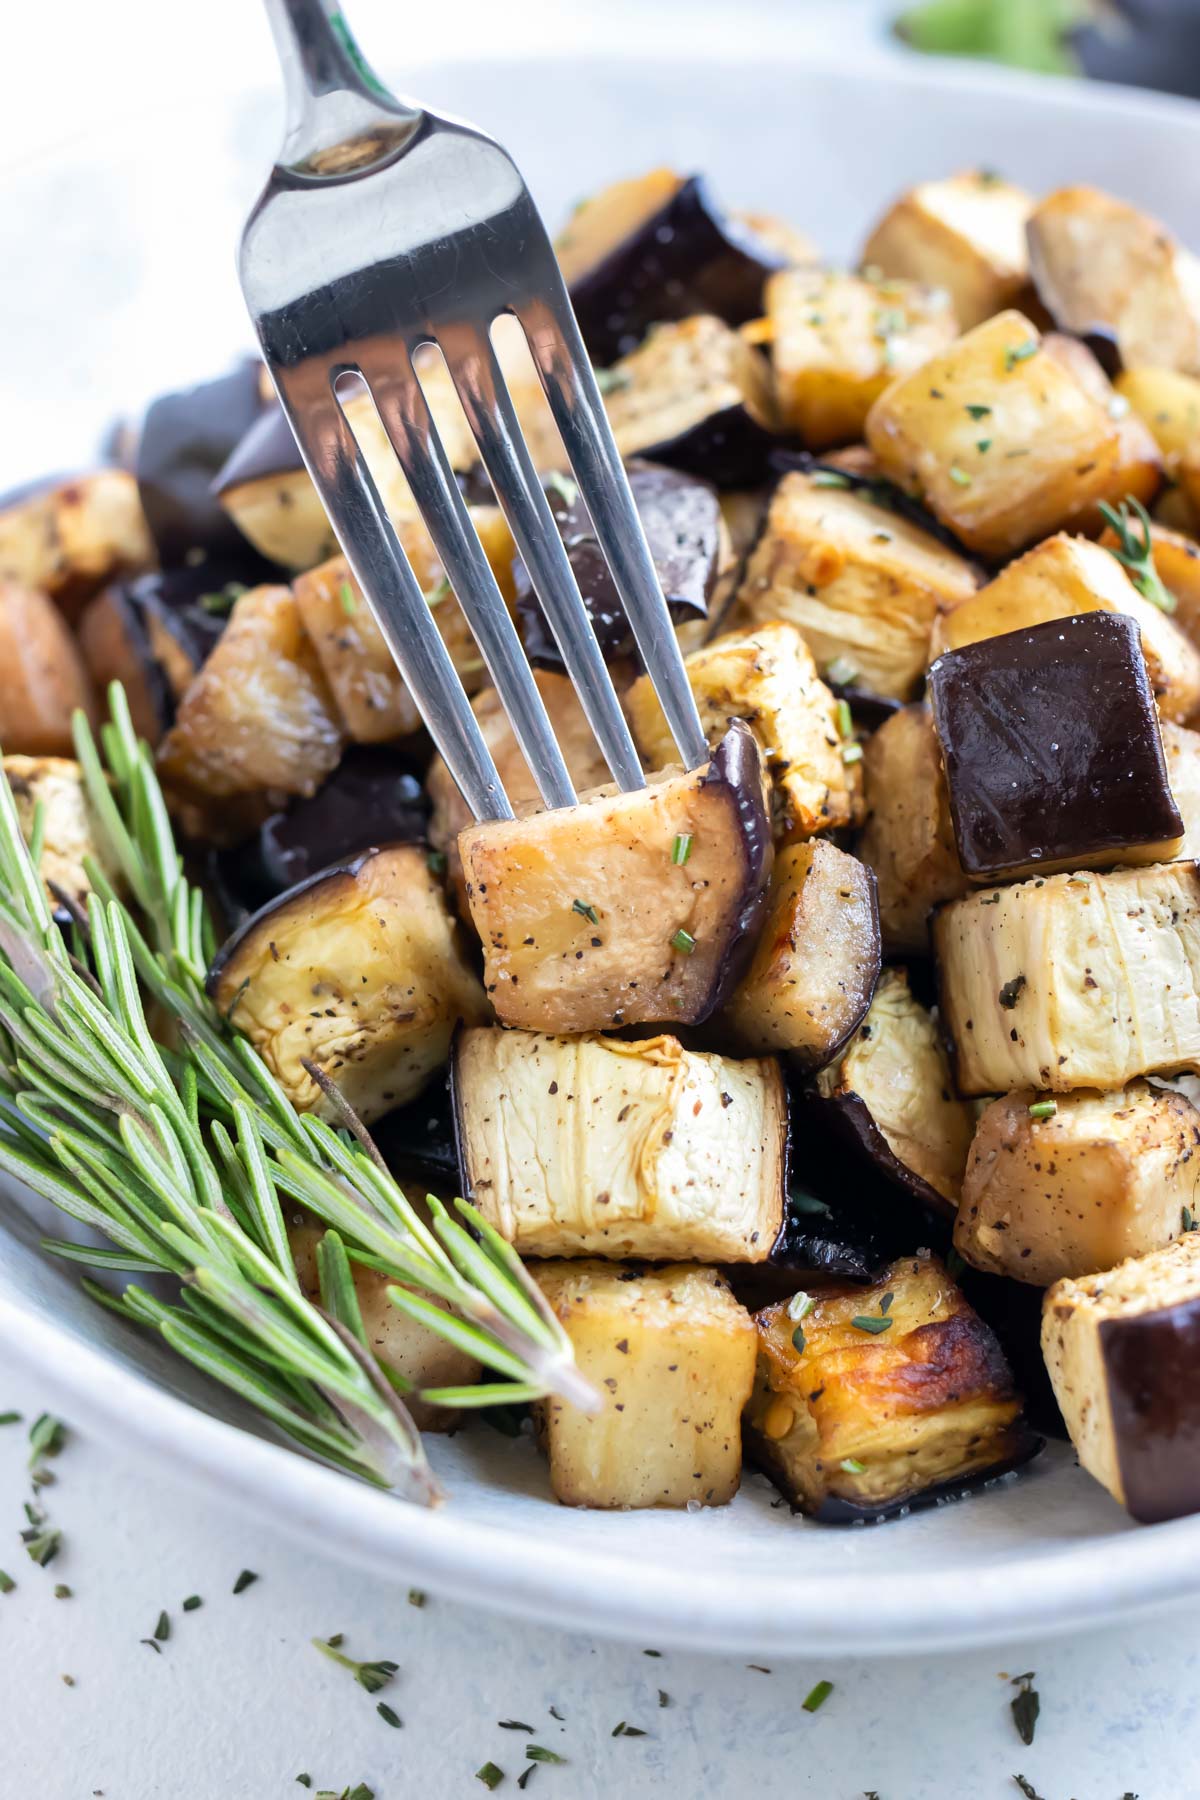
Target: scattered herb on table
514, 1725
7, 1584
11, 1418
304, 1780
246, 1579
1025, 1707
416, 1597
370, 1675
387, 1715
152, 1644
162, 1630
1027, 1788
555, 1714
664, 1699
624, 1730
490, 1776
192, 1602
42, 1546
537, 1753
816, 1699
62, 1591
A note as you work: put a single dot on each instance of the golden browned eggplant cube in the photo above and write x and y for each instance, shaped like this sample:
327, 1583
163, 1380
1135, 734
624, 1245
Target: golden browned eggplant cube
1103, 1177
42, 675
359, 970
415, 1352
1177, 564
767, 677
1060, 578
1002, 441
1169, 404
68, 540
1121, 1349
862, 584
69, 829
817, 960
867, 1400
1100, 264
1074, 980
611, 1148
890, 1096
1139, 470
837, 340
964, 233
258, 723
629, 908
1182, 750
908, 839
672, 1354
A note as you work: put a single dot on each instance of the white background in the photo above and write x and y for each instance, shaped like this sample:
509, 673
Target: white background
238, 1702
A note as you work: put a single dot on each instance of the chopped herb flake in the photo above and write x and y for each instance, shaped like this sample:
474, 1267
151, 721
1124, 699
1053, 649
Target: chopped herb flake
538, 1753
852, 1465
7, 1584
42, 1546
514, 1725
865, 1322
799, 1341
800, 1305
830, 478
959, 475
664, 1699
841, 672
490, 1776
813, 1701
192, 1602
387, 1715
162, 1630
304, 1780
369, 1675
62, 1591
624, 1730
845, 719
1186, 1220
346, 600
681, 849
46, 1438
585, 911
246, 1579
1010, 993
1027, 1788
1043, 1109
1025, 1707
417, 1597
1136, 555
983, 445
1019, 353
977, 411
683, 941
563, 486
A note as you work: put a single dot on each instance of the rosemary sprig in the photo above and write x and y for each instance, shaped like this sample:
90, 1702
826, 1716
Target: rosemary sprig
183, 1157
1136, 555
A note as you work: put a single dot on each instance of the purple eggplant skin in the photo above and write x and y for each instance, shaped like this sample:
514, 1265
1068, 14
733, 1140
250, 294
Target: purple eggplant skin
419, 1142
1150, 1364
688, 257
728, 448
1071, 696
850, 1119
1013, 1312
868, 709
736, 765
1101, 340
266, 447
248, 926
682, 520
372, 798
185, 439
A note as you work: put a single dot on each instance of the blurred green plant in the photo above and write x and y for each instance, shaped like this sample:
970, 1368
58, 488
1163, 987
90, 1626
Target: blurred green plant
1027, 34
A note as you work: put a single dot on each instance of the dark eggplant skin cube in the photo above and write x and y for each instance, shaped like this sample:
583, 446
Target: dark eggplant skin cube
185, 439
729, 448
1052, 749
1150, 1362
373, 797
682, 520
266, 447
688, 257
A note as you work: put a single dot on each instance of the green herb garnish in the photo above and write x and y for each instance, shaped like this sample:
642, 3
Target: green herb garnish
1010, 993
1019, 353
681, 849
1025, 1707
664, 1699
841, 672
1187, 1222
977, 411
222, 602
845, 719
983, 445
514, 1725
7, 1584
852, 1465
585, 911
346, 600
624, 1730
490, 1776
1028, 1789
539, 1754
1043, 1109
369, 1675
1136, 556
46, 1438
563, 486
683, 941
800, 1305
830, 478
816, 1699
959, 476
851, 753
246, 1579
417, 1597
868, 1322
41, 1547
162, 1630
388, 1716
440, 591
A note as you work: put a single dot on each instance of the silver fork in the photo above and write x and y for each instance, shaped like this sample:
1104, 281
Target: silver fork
384, 227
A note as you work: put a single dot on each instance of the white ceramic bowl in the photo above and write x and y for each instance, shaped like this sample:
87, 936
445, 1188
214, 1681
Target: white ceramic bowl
151, 245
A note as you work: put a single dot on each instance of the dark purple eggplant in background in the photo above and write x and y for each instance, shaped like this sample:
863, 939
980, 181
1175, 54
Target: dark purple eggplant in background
185, 439
688, 256
682, 519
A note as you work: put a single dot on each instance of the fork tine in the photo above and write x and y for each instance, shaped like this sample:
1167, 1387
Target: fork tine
404, 411
368, 538
471, 359
570, 386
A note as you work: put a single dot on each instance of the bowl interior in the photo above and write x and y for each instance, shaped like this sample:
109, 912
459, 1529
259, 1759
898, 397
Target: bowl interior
135, 290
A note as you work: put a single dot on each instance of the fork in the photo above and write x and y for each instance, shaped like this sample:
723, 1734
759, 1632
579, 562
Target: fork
385, 227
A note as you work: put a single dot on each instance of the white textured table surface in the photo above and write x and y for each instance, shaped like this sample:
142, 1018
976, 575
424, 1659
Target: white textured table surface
237, 1703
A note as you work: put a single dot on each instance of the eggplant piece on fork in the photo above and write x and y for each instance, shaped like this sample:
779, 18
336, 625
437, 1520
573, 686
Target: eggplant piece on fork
340, 299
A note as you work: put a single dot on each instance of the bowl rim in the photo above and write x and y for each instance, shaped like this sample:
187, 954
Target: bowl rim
532, 1576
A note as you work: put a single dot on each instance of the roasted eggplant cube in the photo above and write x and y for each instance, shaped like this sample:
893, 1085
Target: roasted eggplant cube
257, 725
767, 677
1138, 472
1121, 1348
370, 691
890, 1095
1169, 405
908, 839
1182, 751
659, 247
862, 584
185, 440
1065, 576
837, 341
867, 1400
68, 540
358, 970
1073, 981
672, 1354
42, 675
964, 233
1002, 441
627, 909
1104, 1177
69, 832
681, 516
695, 396
266, 491
576, 740
154, 633
817, 960
1101, 264
621, 1149
1052, 750
1176, 558
415, 1352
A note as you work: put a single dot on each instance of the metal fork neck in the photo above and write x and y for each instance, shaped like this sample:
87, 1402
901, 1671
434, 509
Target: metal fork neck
331, 91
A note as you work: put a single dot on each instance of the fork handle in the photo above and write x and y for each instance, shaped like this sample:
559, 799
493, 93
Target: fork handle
330, 88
